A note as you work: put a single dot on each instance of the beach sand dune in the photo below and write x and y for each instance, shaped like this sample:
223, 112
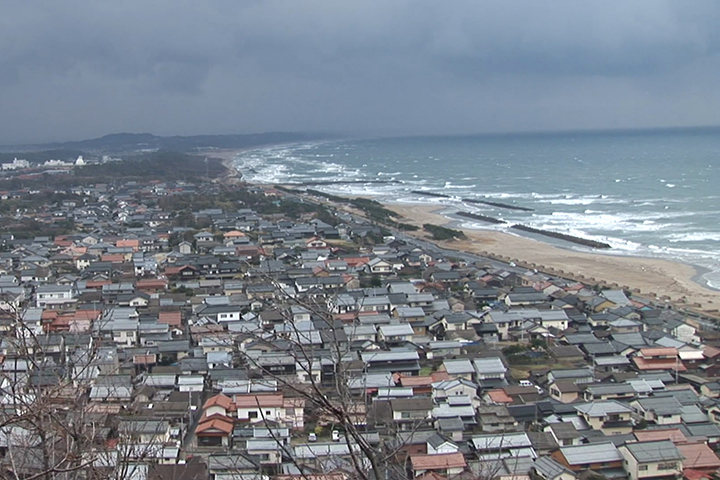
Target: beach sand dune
652, 278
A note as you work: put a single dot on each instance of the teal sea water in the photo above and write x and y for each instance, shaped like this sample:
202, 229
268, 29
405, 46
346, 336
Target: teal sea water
652, 193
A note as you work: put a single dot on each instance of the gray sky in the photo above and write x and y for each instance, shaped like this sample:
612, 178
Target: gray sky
79, 69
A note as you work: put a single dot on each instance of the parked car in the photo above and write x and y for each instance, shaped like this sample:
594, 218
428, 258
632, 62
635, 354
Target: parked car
312, 437
335, 436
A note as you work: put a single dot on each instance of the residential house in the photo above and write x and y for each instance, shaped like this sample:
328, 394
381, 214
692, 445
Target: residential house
660, 459
610, 417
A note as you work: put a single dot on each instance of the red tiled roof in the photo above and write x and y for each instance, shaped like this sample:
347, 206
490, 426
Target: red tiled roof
440, 376
699, 456
356, 261
692, 474
345, 317
133, 243
86, 314
220, 400
499, 396
431, 476
149, 359
176, 270
151, 283
216, 422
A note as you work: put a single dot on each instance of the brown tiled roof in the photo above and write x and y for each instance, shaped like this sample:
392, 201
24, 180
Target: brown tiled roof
711, 352
416, 381
174, 319
250, 401
658, 352
411, 404
566, 386
658, 364
438, 462
672, 434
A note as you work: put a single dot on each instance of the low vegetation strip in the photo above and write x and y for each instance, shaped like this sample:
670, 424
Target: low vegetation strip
482, 218
442, 233
562, 236
374, 210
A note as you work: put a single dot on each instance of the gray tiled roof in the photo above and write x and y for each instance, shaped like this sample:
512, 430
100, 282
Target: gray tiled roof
592, 453
661, 451
549, 468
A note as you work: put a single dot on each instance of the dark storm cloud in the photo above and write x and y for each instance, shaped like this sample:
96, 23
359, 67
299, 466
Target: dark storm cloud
77, 69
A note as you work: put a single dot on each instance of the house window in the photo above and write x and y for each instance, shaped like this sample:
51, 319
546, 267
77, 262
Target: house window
252, 414
210, 441
267, 412
667, 466
643, 468
405, 415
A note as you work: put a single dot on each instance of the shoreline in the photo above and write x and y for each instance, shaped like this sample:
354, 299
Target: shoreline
675, 282
663, 280
700, 271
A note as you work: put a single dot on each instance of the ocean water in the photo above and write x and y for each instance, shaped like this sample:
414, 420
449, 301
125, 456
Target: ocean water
652, 193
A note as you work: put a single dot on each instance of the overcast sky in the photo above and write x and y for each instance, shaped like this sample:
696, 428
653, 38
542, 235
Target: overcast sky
71, 69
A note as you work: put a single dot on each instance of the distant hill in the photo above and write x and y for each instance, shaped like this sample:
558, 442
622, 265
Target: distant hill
133, 142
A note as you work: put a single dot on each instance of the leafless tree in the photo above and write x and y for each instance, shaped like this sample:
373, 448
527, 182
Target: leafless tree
49, 426
341, 399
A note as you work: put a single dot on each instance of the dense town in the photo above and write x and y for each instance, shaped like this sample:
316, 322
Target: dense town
202, 328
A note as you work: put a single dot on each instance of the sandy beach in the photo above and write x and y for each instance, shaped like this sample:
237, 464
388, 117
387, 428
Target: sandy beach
228, 156
649, 277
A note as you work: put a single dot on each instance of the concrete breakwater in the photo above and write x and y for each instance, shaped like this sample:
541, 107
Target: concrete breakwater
430, 194
474, 200
482, 218
562, 236
345, 182
497, 204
